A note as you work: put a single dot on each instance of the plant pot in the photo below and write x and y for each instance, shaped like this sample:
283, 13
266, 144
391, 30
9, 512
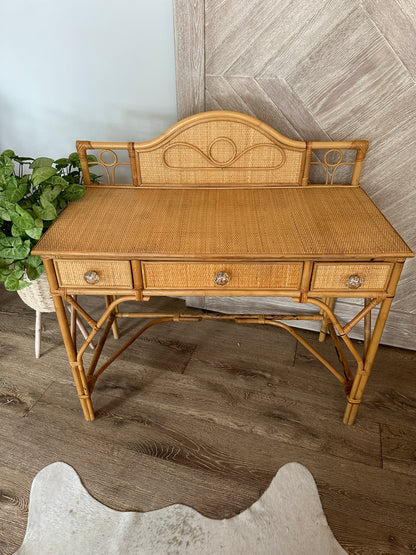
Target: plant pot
37, 295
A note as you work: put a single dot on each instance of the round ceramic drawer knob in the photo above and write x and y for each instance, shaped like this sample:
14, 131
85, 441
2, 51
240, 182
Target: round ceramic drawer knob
91, 277
222, 278
354, 281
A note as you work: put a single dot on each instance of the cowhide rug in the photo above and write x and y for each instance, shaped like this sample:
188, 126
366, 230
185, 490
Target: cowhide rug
64, 519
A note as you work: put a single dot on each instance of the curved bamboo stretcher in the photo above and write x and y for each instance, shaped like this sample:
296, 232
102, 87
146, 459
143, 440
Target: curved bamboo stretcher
222, 204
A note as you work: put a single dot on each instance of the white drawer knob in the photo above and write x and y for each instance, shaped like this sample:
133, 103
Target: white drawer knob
222, 278
91, 277
354, 281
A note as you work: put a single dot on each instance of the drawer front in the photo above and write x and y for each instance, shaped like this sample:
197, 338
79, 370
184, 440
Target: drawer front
94, 274
221, 276
350, 277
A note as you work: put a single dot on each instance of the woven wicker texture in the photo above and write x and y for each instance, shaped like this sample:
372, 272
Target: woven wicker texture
337, 223
201, 275
218, 152
37, 295
335, 276
109, 273
222, 147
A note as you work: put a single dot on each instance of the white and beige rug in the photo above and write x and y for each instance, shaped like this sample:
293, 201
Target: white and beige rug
64, 519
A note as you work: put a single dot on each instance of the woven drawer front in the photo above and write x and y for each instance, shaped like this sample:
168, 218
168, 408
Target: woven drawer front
201, 275
330, 277
110, 273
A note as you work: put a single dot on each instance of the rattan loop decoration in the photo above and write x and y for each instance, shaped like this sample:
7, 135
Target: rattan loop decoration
222, 140
113, 164
178, 158
338, 162
332, 167
108, 164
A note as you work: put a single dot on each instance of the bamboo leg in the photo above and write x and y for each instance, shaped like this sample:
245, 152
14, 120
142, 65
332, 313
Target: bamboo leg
38, 332
329, 301
367, 328
361, 377
77, 371
82, 389
109, 299
73, 325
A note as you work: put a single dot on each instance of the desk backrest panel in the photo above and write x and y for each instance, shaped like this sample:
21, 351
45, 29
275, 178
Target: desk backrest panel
221, 149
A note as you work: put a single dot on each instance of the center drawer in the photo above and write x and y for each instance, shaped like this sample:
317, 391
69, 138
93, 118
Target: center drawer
219, 276
94, 274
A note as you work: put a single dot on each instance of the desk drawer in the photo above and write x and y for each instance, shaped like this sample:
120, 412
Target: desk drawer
350, 276
221, 276
94, 274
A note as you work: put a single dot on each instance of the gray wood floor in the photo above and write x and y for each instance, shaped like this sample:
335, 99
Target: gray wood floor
205, 415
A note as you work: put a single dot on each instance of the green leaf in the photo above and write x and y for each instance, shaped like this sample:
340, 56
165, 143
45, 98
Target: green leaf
5, 272
15, 190
8, 153
13, 283
5, 214
74, 158
36, 231
17, 231
14, 248
34, 272
21, 218
50, 193
45, 212
34, 260
58, 180
41, 174
74, 192
41, 162
6, 164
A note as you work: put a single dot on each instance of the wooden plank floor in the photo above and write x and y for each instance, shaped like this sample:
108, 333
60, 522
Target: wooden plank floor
205, 414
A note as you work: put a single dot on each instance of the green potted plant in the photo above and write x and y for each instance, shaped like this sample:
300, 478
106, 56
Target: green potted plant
33, 192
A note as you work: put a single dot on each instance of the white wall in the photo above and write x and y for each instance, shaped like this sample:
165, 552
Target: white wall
84, 69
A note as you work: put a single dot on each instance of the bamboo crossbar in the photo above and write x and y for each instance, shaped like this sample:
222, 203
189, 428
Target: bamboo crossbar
109, 316
205, 316
221, 204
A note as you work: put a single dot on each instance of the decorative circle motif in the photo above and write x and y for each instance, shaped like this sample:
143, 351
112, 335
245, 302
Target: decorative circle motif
354, 281
100, 156
91, 277
334, 163
222, 151
222, 278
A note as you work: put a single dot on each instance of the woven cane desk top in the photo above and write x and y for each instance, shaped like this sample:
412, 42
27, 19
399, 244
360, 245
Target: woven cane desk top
274, 223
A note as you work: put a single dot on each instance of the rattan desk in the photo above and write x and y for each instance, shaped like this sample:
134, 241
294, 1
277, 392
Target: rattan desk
221, 204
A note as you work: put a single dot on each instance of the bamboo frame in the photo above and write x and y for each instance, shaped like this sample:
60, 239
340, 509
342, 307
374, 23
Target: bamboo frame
160, 160
206, 153
353, 385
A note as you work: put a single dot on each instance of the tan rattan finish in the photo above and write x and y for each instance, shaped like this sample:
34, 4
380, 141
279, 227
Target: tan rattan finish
337, 223
222, 204
334, 277
200, 275
223, 148
110, 273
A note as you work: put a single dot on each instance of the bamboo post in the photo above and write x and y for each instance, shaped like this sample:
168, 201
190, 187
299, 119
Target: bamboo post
108, 300
82, 388
329, 301
362, 375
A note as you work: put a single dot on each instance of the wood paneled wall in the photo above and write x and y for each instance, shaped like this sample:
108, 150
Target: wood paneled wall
315, 70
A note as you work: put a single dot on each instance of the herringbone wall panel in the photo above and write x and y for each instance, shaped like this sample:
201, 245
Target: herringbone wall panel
319, 70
